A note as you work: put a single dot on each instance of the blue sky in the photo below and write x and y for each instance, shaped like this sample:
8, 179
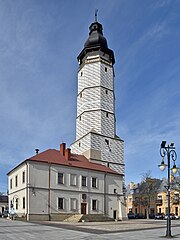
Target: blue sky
39, 43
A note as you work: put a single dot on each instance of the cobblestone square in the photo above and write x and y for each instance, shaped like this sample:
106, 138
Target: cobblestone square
143, 229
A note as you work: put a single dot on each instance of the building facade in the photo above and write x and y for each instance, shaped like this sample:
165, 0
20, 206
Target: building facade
143, 201
54, 185
88, 179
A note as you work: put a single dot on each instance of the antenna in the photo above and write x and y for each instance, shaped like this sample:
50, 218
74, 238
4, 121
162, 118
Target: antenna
96, 11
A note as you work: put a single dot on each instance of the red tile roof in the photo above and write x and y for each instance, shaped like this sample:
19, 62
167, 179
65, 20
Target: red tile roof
55, 157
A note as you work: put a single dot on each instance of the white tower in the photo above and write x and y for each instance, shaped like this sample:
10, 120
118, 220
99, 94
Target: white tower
95, 123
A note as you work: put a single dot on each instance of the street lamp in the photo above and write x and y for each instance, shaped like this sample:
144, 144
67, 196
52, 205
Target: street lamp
171, 155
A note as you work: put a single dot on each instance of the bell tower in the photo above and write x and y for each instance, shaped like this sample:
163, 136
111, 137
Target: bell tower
95, 122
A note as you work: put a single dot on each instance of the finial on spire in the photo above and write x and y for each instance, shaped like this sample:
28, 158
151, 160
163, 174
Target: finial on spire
96, 11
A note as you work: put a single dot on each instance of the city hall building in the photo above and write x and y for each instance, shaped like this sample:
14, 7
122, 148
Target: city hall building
88, 177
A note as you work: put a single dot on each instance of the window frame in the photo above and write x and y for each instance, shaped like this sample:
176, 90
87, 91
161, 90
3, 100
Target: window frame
60, 177
60, 203
73, 204
23, 177
16, 181
11, 183
82, 181
73, 179
94, 204
94, 182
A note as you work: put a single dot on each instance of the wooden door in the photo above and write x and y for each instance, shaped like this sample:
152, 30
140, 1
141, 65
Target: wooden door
83, 208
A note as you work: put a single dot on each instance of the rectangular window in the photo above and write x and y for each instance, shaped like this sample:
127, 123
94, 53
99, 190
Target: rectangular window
60, 203
73, 203
105, 69
94, 204
73, 179
23, 202
23, 177
106, 91
11, 183
60, 178
107, 115
84, 184
94, 182
16, 181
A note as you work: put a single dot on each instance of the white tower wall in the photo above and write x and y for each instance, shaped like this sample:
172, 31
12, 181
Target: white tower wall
95, 123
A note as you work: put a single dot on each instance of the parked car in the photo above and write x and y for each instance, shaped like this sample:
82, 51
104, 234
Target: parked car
5, 214
172, 216
12, 214
159, 216
139, 216
131, 215
151, 216
176, 217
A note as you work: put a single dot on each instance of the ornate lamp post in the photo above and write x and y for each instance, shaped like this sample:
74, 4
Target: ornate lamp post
171, 155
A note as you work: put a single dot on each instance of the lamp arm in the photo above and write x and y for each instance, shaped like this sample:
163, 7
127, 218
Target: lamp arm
163, 152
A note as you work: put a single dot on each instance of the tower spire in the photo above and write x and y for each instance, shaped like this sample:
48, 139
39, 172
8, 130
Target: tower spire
95, 17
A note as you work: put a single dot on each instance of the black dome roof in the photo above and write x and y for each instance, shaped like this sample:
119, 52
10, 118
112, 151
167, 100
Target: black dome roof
96, 42
96, 37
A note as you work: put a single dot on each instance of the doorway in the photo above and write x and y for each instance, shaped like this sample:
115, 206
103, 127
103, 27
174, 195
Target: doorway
83, 208
115, 214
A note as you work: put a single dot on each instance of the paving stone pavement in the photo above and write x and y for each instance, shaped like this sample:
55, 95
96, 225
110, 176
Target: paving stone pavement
129, 230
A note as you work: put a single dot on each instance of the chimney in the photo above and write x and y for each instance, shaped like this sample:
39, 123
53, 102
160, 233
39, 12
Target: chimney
62, 148
68, 154
37, 150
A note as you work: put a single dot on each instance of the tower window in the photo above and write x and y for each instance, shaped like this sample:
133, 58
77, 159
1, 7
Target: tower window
79, 118
106, 91
107, 142
81, 74
80, 95
79, 144
105, 69
107, 115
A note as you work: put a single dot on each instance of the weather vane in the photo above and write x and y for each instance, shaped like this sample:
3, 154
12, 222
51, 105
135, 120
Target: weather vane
96, 11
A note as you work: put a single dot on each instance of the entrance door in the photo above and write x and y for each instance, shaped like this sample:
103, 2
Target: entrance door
83, 208
115, 214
